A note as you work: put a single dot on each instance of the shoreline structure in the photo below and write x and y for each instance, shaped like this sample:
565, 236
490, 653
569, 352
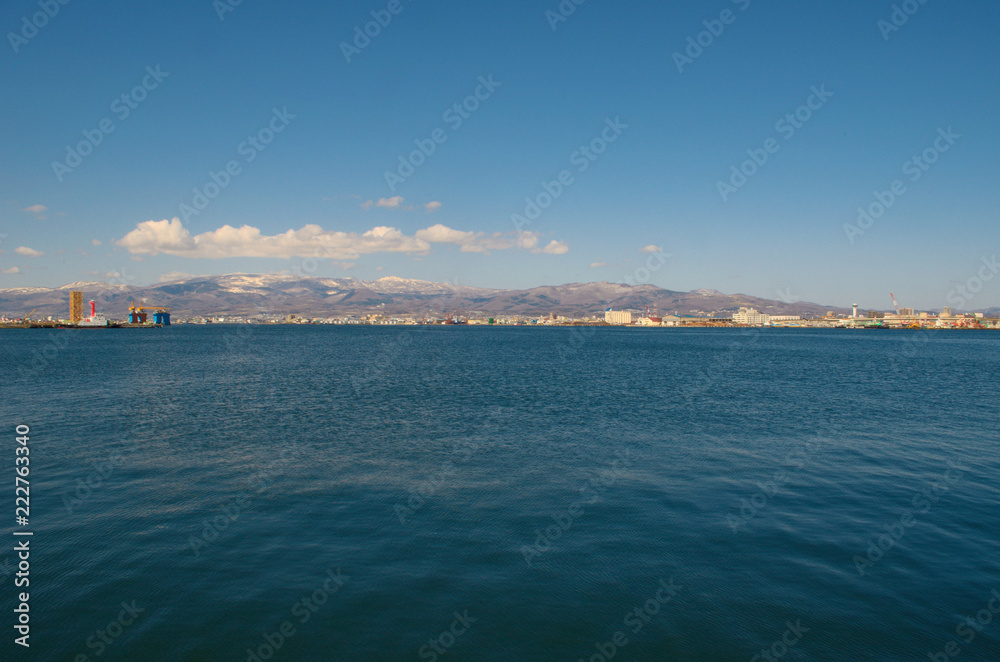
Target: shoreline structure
905, 318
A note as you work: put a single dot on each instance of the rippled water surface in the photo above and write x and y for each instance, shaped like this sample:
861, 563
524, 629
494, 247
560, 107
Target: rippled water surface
464, 493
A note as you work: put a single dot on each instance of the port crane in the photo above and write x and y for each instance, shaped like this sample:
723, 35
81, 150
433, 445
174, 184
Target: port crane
142, 306
896, 305
138, 314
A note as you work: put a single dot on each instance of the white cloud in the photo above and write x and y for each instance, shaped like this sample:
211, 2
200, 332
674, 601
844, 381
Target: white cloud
37, 210
12, 270
475, 242
172, 238
596, 265
527, 240
158, 237
652, 248
442, 234
554, 248
173, 276
95, 242
395, 202
28, 252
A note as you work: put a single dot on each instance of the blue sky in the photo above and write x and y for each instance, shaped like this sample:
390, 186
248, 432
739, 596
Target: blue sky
339, 126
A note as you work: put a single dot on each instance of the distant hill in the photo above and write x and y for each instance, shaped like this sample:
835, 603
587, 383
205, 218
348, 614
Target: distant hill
247, 294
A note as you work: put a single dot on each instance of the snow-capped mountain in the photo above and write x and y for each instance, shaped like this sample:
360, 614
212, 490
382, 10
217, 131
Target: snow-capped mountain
249, 294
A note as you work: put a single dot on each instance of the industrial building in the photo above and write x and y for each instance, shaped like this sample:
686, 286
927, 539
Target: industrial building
617, 316
785, 320
751, 317
140, 314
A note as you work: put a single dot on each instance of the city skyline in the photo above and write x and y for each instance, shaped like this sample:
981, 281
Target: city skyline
262, 294
833, 156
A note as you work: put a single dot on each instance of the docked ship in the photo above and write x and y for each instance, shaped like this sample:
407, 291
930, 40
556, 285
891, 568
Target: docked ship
96, 319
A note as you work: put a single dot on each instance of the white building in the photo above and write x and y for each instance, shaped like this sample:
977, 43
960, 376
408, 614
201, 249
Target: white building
751, 317
617, 317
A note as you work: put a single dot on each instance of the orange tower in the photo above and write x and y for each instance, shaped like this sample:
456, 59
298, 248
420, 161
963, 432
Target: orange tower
76, 307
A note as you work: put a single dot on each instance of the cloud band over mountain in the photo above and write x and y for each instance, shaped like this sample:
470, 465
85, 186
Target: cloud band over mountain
171, 237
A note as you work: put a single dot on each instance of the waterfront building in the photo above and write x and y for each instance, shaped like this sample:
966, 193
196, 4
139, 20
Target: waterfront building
617, 316
751, 317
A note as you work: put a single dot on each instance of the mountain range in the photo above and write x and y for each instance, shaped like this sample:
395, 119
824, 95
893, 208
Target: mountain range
248, 294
